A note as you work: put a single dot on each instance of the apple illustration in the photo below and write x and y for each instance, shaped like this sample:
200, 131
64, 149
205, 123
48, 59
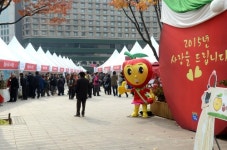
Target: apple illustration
192, 45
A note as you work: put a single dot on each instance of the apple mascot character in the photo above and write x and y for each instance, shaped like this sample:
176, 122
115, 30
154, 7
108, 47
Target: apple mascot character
192, 45
137, 73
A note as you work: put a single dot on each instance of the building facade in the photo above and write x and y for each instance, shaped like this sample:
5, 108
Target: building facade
7, 31
93, 30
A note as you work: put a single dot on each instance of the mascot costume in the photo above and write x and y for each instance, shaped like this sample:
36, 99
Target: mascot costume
192, 45
138, 73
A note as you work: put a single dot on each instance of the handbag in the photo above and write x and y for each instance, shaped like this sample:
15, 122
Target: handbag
218, 100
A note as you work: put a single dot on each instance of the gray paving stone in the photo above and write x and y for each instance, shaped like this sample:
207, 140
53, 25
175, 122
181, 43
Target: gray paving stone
48, 123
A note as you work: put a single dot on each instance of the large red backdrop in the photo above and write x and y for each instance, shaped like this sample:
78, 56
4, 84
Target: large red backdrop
187, 58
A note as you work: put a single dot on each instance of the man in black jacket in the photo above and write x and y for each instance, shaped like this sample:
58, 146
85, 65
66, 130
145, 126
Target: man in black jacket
24, 84
81, 93
14, 85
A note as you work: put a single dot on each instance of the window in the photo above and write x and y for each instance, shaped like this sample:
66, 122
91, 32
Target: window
44, 33
90, 17
112, 23
133, 35
75, 27
59, 27
104, 17
75, 33
91, 34
105, 29
83, 28
112, 29
98, 34
67, 33
59, 33
90, 22
83, 33
97, 23
51, 33
67, 27
105, 23
97, 28
35, 32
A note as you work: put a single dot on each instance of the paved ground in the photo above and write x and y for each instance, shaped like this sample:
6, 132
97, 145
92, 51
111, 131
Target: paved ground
49, 124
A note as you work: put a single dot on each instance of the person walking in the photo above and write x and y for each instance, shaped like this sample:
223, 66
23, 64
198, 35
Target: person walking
46, 85
96, 84
60, 85
89, 77
71, 86
24, 84
81, 93
37, 83
14, 85
114, 79
107, 84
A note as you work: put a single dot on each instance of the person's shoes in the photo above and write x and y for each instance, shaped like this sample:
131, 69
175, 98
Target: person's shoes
98, 95
82, 115
9, 101
119, 95
77, 115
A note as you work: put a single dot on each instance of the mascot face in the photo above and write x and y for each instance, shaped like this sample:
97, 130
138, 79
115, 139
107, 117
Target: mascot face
137, 72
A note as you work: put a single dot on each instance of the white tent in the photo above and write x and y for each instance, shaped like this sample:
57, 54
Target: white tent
7, 60
147, 50
53, 60
106, 66
26, 63
63, 68
136, 48
42, 54
117, 64
41, 65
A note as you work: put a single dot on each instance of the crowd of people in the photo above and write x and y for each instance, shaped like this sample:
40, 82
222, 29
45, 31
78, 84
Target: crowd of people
38, 85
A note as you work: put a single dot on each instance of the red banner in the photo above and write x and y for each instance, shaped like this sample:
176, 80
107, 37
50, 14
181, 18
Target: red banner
117, 68
30, 67
44, 68
99, 69
62, 69
7, 64
107, 68
54, 69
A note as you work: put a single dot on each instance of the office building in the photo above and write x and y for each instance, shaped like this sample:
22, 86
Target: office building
7, 16
93, 30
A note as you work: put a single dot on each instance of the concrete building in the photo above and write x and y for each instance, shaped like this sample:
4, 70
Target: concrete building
92, 32
7, 31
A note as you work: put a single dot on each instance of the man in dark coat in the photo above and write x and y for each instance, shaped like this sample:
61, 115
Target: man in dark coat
81, 93
24, 84
14, 85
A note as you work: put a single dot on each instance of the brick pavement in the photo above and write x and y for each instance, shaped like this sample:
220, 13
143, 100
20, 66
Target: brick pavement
49, 124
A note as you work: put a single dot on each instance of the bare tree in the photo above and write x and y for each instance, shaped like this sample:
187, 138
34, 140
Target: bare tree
133, 10
59, 9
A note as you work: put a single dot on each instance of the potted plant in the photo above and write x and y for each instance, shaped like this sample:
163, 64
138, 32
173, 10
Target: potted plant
160, 107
